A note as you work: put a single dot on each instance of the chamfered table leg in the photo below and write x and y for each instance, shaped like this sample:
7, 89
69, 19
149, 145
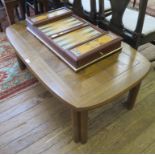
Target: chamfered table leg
132, 96
83, 126
21, 64
76, 125
80, 124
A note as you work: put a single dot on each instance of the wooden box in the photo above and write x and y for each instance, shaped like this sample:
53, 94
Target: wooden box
76, 41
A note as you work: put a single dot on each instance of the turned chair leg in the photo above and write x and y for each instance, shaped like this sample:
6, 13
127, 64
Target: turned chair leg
80, 125
21, 64
132, 96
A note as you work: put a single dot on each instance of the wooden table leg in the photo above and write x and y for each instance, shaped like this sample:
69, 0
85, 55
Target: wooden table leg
84, 126
76, 125
21, 64
80, 124
132, 96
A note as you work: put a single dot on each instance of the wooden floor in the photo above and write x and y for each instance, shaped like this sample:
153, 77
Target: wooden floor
36, 122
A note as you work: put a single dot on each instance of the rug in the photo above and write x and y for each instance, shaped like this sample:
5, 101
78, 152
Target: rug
12, 79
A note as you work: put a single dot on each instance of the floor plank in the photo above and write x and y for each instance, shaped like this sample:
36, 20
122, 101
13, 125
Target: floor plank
37, 122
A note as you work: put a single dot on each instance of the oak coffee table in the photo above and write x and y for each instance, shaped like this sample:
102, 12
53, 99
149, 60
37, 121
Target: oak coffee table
88, 89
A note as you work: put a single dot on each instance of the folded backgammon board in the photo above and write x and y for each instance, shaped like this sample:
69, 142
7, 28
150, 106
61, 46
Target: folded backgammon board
76, 41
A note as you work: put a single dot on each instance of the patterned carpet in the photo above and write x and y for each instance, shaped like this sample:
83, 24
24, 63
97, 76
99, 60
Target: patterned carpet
12, 79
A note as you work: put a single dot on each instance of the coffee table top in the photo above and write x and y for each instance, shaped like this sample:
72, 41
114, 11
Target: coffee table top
91, 87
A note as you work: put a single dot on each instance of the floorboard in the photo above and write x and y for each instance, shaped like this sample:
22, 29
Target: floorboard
37, 122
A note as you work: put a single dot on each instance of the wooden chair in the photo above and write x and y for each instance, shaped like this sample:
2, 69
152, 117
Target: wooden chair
75, 5
54, 4
135, 26
31, 4
104, 10
90, 8
38, 6
93, 8
12, 6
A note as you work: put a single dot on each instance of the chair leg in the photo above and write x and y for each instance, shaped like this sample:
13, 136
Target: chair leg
44, 5
1, 30
22, 8
41, 8
36, 10
17, 13
27, 10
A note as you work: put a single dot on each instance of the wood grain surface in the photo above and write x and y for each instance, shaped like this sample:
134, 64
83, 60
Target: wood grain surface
37, 122
90, 88
93, 86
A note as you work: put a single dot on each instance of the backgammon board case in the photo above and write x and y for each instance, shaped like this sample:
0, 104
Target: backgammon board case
76, 41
